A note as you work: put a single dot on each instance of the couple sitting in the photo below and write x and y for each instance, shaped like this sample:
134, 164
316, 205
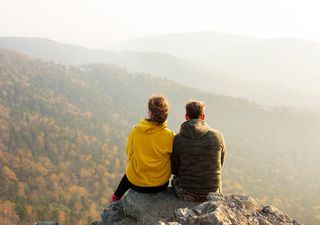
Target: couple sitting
194, 156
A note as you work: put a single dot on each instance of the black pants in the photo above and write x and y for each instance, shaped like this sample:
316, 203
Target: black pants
125, 184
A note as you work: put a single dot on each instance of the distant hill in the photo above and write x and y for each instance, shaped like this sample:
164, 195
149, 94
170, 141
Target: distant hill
63, 131
197, 46
168, 66
293, 63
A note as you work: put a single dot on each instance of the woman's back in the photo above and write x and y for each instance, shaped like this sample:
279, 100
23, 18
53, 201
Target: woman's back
148, 150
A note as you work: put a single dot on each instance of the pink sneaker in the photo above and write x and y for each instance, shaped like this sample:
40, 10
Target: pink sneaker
114, 198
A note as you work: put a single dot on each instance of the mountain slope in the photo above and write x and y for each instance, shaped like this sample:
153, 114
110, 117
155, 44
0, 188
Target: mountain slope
176, 69
245, 58
197, 46
64, 128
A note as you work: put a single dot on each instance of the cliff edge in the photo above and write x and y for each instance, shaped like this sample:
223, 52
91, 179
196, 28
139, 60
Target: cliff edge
165, 208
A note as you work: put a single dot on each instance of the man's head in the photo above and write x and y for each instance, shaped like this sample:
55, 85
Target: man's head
158, 109
195, 110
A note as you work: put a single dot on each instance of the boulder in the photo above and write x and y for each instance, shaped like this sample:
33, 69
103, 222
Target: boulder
165, 208
46, 223
230, 209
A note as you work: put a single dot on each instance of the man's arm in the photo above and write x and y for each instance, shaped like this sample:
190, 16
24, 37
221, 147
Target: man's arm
223, 149
175, 161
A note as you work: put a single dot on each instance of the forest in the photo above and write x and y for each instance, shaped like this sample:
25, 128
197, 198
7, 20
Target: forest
63, 131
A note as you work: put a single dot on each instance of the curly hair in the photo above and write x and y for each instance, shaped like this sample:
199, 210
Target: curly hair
159, 107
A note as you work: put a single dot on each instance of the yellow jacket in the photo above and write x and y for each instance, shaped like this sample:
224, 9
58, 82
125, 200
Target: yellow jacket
148, 150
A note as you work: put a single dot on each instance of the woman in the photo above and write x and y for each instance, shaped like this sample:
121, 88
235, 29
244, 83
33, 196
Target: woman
148, 150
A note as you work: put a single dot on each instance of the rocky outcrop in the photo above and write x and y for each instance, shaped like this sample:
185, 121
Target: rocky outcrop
166, 209
46, 223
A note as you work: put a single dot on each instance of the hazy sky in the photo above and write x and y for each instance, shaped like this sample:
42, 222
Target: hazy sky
100, 23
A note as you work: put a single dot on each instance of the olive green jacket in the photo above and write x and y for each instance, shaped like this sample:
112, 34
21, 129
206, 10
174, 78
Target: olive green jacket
198, 157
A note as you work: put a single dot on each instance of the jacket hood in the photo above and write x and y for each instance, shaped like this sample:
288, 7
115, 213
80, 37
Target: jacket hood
149, 127
194, 128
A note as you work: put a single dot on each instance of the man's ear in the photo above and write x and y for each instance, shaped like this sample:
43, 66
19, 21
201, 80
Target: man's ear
187, 117
202, 117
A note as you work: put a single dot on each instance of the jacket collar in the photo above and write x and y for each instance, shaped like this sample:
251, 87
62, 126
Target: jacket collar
149, 127
194, 128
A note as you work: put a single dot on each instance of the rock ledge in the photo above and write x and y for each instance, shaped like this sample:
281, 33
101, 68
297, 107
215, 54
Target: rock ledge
166, 209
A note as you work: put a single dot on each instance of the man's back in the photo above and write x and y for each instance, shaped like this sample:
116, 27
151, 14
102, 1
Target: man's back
198, 157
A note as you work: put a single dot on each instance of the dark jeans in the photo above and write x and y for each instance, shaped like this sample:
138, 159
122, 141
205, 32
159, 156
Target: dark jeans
188, 196
125, 184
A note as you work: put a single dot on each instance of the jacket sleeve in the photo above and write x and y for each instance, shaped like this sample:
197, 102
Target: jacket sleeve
175, 161
223, 149
129, 149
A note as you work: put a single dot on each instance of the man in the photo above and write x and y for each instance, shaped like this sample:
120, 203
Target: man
198, 156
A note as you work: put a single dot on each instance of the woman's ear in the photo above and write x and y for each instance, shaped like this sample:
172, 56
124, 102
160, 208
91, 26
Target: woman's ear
187, 117
202, 117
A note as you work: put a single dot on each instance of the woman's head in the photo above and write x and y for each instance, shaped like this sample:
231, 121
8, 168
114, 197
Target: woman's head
159, 108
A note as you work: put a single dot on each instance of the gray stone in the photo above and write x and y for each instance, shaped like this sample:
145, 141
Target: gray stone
46, 223
154, 206
231, 209
165, 208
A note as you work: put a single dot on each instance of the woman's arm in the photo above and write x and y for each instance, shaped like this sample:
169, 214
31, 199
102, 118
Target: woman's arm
129, 149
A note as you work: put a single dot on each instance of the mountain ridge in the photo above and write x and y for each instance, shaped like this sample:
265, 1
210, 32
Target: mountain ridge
251, 60
168, 66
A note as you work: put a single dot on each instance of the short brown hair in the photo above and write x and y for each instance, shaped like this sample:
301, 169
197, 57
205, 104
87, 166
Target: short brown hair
195, 109
159, 107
